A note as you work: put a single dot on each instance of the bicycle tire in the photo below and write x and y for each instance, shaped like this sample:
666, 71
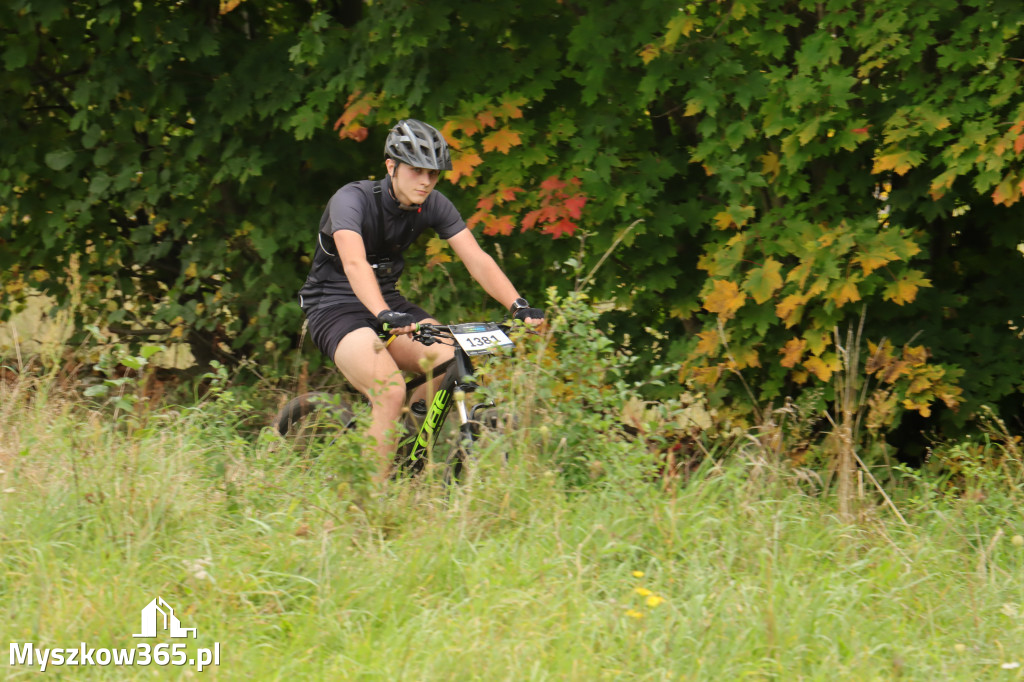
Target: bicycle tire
455, 469
290, 417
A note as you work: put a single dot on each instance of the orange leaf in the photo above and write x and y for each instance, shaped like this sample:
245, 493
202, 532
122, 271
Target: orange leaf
502, 225
510, 107
1005, 193
480, 216
501, 140
508, 193
463, 165
486, 119
725, 299
708, 342
792, 352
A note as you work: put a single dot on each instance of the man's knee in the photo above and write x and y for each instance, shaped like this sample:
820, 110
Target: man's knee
389, 395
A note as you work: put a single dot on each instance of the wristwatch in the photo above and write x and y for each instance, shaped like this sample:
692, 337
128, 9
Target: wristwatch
518, 305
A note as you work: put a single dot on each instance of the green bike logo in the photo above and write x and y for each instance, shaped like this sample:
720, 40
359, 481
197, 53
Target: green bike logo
433, 419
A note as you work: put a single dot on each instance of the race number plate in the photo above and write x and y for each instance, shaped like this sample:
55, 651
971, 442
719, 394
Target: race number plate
481, 338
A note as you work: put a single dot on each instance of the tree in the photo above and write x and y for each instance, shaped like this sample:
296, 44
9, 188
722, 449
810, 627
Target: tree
790, 163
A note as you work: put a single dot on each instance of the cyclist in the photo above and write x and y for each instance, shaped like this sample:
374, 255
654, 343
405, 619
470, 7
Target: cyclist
350, 294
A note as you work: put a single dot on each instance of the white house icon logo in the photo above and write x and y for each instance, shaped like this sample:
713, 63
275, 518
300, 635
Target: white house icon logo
151, 620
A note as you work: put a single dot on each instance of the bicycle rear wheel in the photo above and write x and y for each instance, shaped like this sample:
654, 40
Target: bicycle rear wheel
313, 416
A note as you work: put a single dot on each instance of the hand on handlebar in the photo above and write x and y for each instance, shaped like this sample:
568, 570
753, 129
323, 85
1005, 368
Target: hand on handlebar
395, 322
531, 316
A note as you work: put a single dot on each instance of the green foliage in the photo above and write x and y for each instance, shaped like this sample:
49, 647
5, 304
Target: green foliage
790, 163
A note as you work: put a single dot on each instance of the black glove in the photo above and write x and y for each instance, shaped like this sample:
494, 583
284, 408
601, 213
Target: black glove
392, 319
520, 310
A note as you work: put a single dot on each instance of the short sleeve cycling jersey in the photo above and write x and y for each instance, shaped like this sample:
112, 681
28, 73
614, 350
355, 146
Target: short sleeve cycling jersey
369, 209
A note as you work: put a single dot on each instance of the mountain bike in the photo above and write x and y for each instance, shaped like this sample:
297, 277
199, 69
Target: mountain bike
423, 423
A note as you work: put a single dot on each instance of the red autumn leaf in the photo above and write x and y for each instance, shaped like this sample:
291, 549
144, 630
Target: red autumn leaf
574, 206
508, 193
485, 203
552, 184
531, 219
563, 226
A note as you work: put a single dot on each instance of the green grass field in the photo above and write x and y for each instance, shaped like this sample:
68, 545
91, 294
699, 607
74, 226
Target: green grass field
298, 573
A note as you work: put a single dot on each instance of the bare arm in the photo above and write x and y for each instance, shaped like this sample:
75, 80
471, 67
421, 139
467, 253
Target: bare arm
358, 270
483, 268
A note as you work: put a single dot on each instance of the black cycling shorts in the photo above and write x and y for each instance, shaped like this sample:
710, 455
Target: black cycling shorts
328, 325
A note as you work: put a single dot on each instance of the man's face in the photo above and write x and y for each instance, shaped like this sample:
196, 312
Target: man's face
412, 185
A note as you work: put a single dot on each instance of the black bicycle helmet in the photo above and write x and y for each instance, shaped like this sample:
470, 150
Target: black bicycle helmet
419, 145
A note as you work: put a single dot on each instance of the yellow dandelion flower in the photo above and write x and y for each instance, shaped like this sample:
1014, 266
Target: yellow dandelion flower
633, 613
642, 591
638, 574
654, 600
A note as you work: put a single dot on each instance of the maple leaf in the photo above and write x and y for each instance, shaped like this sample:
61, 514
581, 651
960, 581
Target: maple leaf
436, 252
649, 53
463, 165
790, 309
845, 292
551, 184
822, 368
228, 5
899, 161
764, 281
508, 193
501, 140
574, 206
503, 225
478, 217
904, 289
1005, 193
874, 257
486, 119
792, 352
769, 164
485, 203
708, 343
557, 229
510, 107
725, 298
724, 220
531, 218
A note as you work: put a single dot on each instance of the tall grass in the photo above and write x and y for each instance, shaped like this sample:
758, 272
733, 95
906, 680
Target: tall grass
528, 573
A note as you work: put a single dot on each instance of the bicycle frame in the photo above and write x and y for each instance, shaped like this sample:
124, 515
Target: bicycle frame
455, 385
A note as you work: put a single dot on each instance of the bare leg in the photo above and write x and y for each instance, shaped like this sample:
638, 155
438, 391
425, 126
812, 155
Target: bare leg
366, 364
376, 372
